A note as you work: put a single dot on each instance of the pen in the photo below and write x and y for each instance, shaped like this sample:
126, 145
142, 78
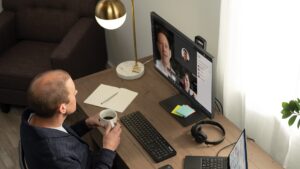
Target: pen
106, 100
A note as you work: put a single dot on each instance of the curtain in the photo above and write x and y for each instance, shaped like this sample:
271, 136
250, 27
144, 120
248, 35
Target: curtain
259, 67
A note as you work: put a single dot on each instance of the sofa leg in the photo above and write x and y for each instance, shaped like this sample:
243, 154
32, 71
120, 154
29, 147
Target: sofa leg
5, 108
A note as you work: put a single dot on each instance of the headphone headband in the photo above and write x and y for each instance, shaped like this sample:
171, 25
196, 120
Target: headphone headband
201, 137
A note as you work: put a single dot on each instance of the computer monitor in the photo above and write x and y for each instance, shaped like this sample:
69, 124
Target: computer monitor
186, 66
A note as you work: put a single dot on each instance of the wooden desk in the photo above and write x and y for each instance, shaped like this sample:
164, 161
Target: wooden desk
153, 88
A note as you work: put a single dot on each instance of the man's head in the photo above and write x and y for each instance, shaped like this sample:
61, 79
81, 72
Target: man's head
51, 92
163, 46
185, 55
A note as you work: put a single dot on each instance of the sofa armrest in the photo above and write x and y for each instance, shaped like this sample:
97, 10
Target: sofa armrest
7, 30
83, 49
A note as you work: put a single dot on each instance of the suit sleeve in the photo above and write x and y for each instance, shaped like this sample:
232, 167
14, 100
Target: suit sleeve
80, 128
101, 160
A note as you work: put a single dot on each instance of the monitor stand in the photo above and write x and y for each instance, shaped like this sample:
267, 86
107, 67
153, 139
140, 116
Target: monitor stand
170, 103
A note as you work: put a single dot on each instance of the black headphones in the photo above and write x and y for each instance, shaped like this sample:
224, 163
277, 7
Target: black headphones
201, 137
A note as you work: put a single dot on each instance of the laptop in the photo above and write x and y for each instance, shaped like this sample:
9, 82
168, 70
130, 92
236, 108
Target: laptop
237, 158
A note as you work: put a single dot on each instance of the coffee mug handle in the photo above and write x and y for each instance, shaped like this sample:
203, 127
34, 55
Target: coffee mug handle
112, 124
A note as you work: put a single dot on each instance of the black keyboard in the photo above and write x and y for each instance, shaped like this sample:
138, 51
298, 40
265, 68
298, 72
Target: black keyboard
213, 163
151, 140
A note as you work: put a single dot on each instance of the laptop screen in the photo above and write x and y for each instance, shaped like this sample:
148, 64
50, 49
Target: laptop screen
238, 155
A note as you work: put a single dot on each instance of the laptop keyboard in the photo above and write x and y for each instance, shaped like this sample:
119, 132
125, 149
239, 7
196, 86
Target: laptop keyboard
213, 163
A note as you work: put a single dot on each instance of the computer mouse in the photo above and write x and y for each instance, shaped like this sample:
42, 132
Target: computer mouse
168, 166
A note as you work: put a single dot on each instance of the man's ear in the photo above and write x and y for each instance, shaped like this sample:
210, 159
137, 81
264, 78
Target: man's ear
62, 108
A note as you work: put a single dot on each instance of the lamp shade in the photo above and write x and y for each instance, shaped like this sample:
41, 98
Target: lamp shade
110, 14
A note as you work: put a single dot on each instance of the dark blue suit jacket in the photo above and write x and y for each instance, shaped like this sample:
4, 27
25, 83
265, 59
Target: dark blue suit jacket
50, 148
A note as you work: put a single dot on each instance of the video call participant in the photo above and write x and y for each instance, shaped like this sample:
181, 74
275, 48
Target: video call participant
163, 45
185, 54
46, 142
186, 84
186, 58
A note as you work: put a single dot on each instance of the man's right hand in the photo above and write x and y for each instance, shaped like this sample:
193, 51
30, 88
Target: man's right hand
111, 139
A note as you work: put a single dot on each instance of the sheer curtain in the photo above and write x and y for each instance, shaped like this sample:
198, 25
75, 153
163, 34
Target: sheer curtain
259, 67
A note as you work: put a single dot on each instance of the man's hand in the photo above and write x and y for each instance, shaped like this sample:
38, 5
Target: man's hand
93, 121
111, 139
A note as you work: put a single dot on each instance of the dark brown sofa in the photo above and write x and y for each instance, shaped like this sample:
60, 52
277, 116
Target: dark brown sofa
39, 35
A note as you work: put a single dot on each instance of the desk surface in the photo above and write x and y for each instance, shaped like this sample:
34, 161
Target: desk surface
151, 89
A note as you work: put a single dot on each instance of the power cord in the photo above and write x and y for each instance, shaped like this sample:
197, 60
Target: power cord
251, 139
224, 148
219, 106
147, 61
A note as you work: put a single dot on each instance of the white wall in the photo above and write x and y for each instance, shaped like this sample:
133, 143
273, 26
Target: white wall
192, 17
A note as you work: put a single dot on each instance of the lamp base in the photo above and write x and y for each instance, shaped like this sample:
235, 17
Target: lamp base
128, 71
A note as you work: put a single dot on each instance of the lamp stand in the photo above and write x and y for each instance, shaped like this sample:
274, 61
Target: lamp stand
130, 70
125, 70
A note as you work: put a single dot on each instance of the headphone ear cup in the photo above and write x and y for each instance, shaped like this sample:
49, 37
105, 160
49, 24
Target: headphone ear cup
202, 135
193, 131
197, 133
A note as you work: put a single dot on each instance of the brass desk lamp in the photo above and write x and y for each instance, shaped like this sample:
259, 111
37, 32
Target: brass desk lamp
111, 14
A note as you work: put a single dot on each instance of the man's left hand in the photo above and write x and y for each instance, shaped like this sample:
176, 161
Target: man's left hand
93, 121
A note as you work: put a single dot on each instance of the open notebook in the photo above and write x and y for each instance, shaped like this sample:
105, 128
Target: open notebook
111, 97
237, 158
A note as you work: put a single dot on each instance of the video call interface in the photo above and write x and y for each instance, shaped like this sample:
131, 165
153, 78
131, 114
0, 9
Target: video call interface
178, 59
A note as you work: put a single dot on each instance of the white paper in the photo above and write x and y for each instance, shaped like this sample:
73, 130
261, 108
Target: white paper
119, 102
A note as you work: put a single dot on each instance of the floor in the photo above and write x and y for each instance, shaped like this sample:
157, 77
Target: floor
9, 139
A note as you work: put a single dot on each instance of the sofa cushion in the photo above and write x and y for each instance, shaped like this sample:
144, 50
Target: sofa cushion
44, 24
84, 8
16, 72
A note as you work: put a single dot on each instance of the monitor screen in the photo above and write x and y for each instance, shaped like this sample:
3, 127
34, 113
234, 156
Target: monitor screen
184, 64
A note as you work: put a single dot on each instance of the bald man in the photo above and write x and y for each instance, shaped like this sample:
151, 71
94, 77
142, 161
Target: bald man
46, 142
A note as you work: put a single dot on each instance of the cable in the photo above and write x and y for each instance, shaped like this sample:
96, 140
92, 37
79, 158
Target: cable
219, 106
231, 145
251, 139
217, 100
147, 61
224, 148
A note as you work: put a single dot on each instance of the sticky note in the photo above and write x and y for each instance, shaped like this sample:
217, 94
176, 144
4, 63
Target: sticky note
185, 110
174, 111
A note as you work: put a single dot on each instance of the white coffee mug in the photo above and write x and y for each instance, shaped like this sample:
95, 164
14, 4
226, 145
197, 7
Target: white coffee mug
108, 116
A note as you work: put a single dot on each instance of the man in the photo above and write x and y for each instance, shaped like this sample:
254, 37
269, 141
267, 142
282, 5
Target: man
46, 142
186, 84
164, 64
185, 55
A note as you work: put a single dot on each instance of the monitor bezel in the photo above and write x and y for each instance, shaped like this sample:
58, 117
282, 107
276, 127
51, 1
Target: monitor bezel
195, 104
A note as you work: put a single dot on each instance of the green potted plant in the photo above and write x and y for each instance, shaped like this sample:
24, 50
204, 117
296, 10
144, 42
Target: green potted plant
291, 110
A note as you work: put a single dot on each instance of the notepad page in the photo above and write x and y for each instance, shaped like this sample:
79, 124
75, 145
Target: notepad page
100, 94
118, 103
121, 101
